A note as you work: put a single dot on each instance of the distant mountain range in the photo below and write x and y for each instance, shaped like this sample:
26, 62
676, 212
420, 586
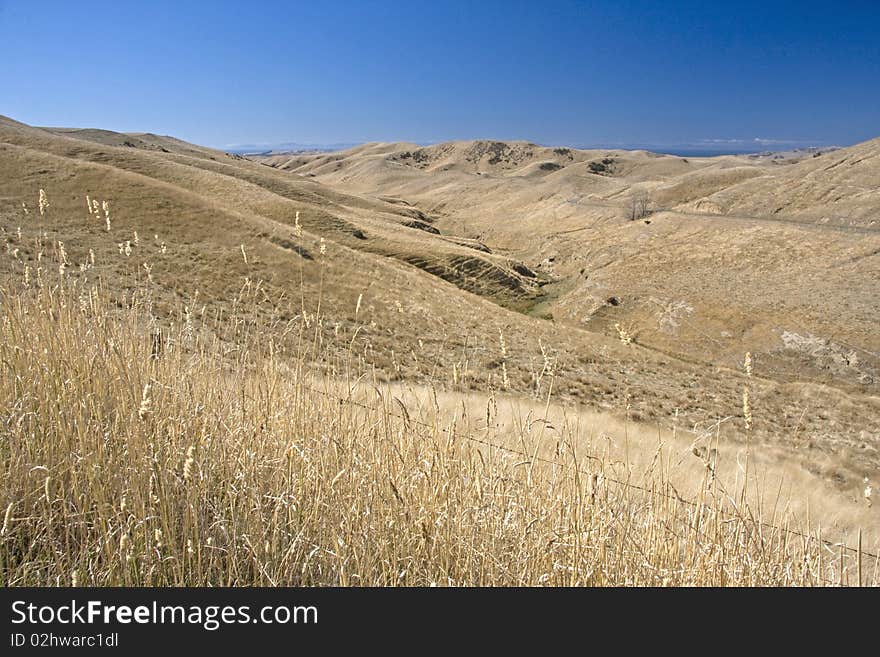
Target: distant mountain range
698, 149
288, 147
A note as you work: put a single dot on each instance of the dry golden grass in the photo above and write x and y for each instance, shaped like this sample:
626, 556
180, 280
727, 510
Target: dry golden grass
221, 454
696, 293
781, 262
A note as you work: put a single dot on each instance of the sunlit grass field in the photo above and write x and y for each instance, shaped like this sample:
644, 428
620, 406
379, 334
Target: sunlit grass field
231, 449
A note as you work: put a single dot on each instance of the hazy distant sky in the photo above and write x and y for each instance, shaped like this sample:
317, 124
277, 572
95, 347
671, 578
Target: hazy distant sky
579, 73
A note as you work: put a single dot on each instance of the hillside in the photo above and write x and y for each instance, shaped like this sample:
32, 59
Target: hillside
717, 269
477, 266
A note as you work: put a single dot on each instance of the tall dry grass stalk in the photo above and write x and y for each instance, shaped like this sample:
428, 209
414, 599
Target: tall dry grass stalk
226, 458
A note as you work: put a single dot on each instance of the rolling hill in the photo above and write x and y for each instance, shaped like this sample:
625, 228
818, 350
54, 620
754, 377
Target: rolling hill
477, 265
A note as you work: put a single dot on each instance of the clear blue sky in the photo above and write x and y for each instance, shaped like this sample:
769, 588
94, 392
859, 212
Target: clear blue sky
614, 72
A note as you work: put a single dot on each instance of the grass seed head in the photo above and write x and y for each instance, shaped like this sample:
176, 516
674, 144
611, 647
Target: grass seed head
146, 402
188, 464
7, 519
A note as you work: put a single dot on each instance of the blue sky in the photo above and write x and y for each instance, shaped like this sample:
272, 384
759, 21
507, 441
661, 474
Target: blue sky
221, 73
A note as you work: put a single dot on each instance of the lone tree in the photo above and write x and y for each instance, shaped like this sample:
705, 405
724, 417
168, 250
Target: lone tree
639, 207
